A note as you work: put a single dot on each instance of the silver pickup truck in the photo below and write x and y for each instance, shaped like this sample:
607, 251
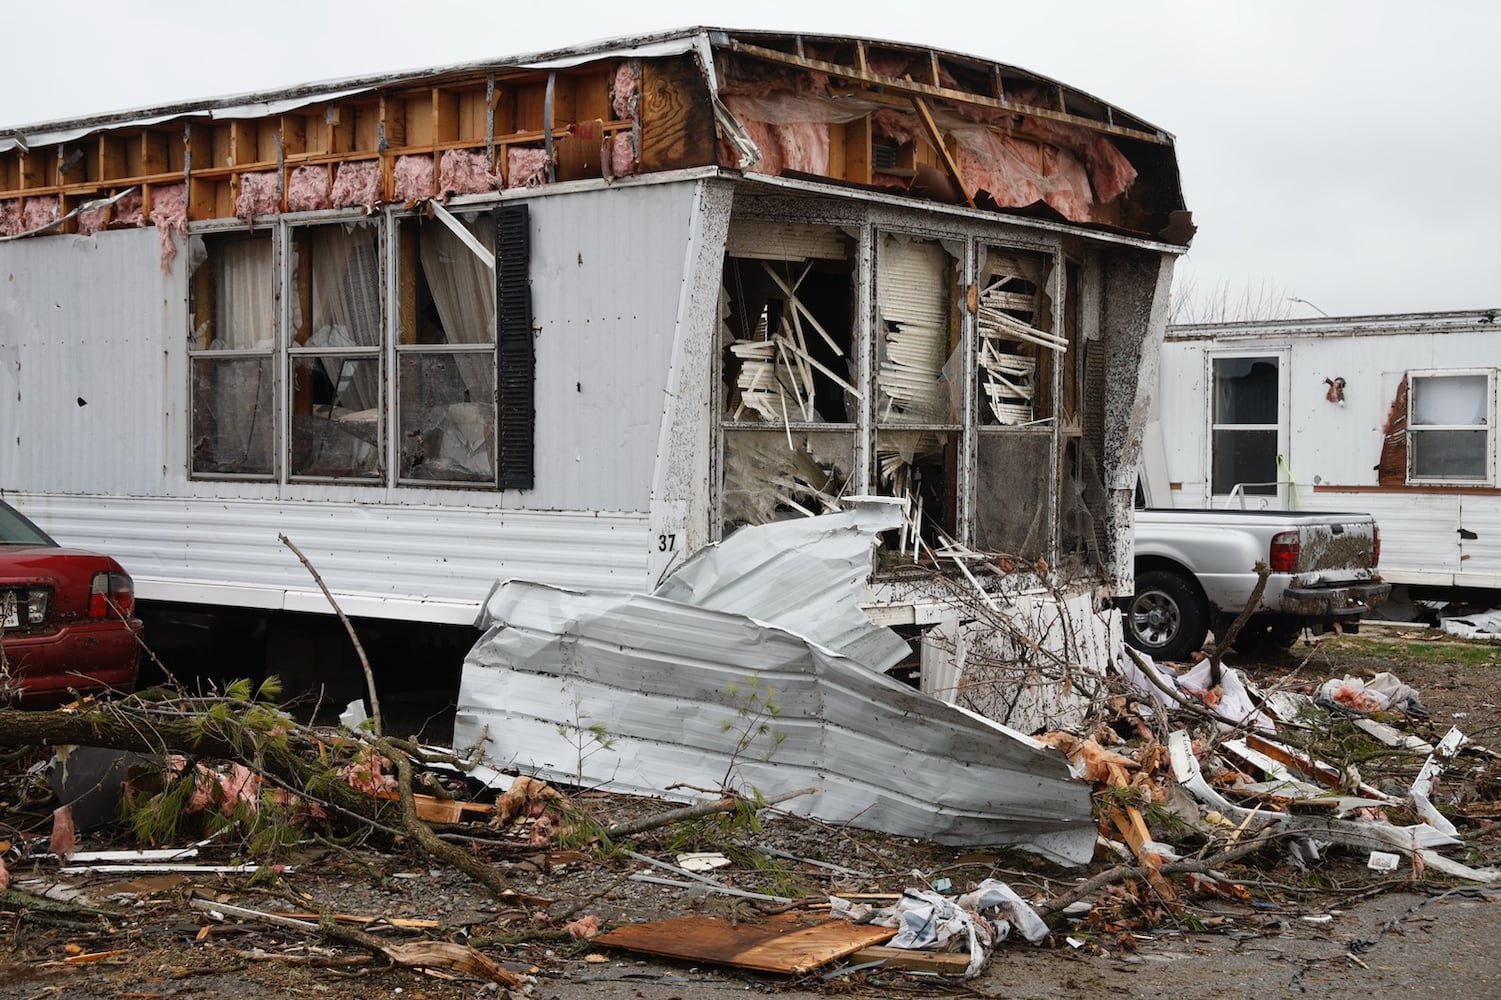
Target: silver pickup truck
1195, 571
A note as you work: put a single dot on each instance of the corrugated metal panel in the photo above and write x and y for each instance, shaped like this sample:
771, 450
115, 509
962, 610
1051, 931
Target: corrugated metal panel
672, 685
87, 327
408, 553
804, 575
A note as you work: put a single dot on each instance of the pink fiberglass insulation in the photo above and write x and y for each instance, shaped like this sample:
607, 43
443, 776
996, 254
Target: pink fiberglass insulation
357, 184
90, 222
525, 167
899, 126
759, 133
1016, 173
622, 154
805, 146
1110, 172
38, 212
169, 213
128, 209
462, 171
260, 194
10, 217
414, 178
307, 189
623, 91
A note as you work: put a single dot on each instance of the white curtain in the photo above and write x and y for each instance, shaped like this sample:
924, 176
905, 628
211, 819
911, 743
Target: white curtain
463, 290
346, 309
246, 317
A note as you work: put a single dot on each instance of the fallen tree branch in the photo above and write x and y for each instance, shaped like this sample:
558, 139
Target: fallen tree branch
417, 954
1222, 642
359, 649
423, 834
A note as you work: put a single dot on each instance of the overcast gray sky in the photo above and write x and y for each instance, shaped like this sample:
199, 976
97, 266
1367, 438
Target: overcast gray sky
1344, 153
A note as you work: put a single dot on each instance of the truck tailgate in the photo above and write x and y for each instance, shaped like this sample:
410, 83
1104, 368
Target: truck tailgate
1341, 550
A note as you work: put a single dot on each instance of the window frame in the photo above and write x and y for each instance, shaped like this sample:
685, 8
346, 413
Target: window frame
273, 354
395, 220
290, 352
1413, 429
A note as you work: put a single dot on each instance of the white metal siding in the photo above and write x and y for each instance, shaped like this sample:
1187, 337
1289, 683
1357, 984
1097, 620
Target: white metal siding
90, 332
382, 559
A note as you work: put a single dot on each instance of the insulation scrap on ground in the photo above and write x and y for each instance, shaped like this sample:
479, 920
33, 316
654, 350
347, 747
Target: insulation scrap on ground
357, 183
413, 178
307, 189
260, 194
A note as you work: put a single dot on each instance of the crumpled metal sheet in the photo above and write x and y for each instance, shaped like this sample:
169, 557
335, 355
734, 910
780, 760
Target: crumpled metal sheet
734, 675
682, 696
805, 575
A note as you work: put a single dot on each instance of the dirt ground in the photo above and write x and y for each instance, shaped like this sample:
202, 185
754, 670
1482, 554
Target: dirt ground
1334, 930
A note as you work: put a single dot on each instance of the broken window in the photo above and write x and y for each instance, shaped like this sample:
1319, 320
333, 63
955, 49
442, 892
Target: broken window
1014, 343
788, 360
231, 348
1245, 426
918, 379
335, 383
445, 354
1016, 353
1448, 427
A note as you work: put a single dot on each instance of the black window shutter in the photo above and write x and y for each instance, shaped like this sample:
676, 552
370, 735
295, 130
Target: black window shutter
516, 358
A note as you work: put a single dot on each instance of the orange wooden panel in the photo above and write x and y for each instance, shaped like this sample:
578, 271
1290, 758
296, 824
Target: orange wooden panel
789, 943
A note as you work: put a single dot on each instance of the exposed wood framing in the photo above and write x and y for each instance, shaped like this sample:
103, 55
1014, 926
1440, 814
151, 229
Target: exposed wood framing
862, 74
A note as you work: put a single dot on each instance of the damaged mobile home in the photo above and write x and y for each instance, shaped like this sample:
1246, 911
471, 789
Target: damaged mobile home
1392, 414
568, 318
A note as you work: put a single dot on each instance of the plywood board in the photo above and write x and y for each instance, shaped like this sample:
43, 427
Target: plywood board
786, 943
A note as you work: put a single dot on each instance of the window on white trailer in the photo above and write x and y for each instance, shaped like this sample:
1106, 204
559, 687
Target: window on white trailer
1448, 427
231, 345
336, 366
445, 352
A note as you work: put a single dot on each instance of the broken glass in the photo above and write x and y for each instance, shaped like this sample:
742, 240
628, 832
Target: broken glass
446, 362
774, 475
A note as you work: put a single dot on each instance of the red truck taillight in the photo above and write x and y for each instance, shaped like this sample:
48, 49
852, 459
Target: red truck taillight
108, 589
1284, 553
1375, 546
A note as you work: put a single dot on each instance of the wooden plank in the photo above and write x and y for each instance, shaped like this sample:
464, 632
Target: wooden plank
948, 963
786, 943
936, 138
677, 123
857, 159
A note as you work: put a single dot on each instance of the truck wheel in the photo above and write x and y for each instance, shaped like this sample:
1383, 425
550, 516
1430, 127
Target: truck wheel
1167, 618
